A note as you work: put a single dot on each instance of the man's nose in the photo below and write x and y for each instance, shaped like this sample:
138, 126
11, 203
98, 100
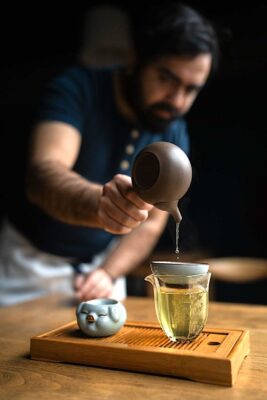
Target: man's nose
177, 99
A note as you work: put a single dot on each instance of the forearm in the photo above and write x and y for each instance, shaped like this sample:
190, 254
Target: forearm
63, 194
136, 246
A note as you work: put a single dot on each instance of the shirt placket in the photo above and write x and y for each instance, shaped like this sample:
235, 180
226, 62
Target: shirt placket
129, 151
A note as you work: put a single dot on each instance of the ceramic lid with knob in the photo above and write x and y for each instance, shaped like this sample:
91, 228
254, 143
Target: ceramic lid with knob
178, 268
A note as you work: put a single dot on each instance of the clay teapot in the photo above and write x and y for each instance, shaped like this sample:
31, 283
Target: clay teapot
161, 175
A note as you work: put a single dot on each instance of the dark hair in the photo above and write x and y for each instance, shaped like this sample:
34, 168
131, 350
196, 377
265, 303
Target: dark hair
173, 29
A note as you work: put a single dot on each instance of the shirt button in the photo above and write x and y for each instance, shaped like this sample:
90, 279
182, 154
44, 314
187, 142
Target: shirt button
135, 134
124, 164
129, 149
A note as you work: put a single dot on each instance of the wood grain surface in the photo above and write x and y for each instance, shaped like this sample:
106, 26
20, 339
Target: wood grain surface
23, 378
215, 356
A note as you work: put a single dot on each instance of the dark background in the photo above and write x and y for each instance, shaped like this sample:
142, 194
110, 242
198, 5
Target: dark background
225, 209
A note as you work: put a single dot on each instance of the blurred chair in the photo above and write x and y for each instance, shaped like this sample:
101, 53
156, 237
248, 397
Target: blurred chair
238, 279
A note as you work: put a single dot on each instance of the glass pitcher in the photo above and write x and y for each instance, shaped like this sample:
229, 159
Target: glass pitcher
181, 300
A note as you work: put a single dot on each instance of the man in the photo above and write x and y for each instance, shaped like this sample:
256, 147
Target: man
82, 214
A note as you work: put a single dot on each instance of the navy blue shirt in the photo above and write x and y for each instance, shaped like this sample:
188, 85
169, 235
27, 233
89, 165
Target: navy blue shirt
84, 98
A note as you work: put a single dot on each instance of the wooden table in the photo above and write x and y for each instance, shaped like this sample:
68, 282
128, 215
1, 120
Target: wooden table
23, 378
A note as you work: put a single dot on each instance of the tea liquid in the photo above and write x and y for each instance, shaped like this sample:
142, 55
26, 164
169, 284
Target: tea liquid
177, 239
182, 312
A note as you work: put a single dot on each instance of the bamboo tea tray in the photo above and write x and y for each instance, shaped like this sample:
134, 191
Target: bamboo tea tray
214, 357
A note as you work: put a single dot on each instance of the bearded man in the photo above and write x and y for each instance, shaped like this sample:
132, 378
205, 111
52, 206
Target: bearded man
82, 214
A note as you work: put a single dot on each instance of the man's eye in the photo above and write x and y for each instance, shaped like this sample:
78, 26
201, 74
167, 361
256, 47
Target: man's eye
102, 315
165, 78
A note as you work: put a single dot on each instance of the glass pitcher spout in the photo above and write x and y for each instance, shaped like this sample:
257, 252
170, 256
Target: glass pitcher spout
150, 279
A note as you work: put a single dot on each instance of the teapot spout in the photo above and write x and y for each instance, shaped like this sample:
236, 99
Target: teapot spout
150, 279
172, 208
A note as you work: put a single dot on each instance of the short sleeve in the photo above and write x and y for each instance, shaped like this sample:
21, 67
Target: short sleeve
66, 99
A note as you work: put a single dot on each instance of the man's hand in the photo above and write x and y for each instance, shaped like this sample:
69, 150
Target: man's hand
97, 284
120, 209
53, 186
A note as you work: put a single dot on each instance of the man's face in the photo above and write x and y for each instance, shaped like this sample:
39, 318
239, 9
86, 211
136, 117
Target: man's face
164, 90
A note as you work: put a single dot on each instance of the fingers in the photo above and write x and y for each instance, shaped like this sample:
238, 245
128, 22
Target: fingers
124, 185
120, 208
97, 284
114, 198
116, 216
78, 281
112, 226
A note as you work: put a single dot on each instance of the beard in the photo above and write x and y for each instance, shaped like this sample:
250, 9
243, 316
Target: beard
147, 115
151, 121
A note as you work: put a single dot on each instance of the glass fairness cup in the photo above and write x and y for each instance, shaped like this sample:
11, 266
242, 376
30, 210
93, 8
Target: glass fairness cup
181, 298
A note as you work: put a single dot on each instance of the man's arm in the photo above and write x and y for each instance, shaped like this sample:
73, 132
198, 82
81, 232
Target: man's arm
67, 196
132, 249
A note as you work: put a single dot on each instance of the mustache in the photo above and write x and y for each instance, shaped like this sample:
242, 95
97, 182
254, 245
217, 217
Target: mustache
166, 107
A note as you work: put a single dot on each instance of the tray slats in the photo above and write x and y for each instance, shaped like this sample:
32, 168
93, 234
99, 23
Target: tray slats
215, 356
